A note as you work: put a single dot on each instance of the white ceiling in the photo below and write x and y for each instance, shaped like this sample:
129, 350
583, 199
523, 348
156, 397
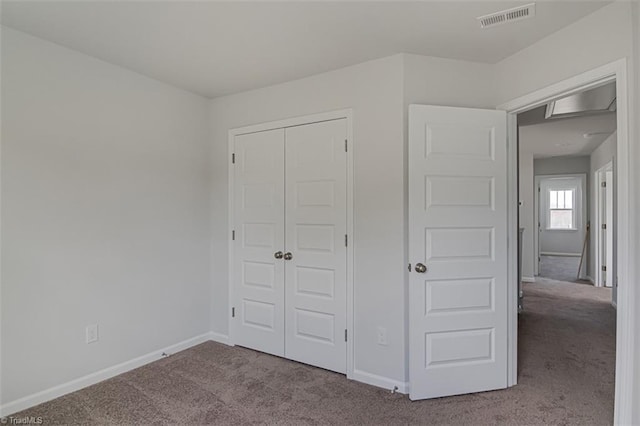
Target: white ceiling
566, 136
217, 48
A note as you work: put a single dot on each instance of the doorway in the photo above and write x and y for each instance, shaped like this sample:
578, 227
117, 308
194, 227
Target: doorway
614, 72
560, 216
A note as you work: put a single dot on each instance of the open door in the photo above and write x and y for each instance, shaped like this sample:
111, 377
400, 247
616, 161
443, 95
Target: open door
458, 250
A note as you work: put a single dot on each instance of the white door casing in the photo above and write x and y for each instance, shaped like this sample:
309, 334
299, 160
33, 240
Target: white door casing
458, 230
290, 197
608, 232
316, 228
259, 233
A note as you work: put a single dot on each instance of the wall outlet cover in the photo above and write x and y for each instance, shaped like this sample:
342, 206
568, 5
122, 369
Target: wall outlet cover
92, 333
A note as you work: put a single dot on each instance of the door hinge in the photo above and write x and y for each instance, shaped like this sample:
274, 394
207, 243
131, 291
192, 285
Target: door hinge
538, 189
409, 268
233, 235
604, 226
604, 269
345, 145
233, 158
346, 240
345, 334
233, 312
604, 184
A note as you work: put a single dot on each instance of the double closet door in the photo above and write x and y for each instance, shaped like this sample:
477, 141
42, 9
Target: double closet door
289, 249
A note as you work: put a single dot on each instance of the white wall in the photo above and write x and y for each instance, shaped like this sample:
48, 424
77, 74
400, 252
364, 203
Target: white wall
526, 213
634, 155
597, 39
104, 215
601, 156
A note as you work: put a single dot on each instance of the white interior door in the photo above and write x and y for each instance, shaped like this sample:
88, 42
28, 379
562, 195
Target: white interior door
458, 232
316, 273
259, 235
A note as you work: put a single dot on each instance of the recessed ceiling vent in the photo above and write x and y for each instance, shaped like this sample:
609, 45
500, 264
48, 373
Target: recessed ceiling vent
510, 15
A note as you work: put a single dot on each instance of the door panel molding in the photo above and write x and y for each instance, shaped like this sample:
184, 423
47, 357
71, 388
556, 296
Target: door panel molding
458, 300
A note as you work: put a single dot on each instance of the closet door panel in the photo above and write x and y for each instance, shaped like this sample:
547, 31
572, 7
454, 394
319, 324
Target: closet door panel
259, 234
315, 229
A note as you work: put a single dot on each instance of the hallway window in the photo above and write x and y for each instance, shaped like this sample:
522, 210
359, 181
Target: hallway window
561, 215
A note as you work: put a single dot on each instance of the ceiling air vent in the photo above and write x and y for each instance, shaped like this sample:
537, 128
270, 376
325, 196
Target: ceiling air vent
509, 15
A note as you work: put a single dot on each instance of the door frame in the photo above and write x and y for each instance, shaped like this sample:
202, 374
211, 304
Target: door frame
625, 330
280, 124
584, 206
598, 178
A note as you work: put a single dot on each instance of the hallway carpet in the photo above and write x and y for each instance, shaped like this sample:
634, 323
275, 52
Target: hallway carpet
561, 268
566, 359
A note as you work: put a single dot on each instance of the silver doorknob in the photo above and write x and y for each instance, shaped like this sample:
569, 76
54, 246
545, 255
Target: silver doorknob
420, 268
277, 255
288, 256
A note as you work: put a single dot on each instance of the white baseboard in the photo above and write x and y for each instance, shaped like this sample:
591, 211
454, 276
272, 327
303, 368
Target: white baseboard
380, 381
93, 378
528, 279
107, 373
551, 253
220, 338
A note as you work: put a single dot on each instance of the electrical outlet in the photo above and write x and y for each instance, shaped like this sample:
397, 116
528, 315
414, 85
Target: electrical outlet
92, 333
382, 336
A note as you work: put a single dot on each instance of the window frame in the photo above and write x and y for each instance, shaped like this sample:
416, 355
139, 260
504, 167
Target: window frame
563, 185
572, 209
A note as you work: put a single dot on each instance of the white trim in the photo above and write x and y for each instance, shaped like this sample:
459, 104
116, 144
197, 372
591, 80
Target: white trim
291, 122
93, 378
380, 381
614, 71
598, 177
513, 234
528, 279
579, 83
220, 338
553, 253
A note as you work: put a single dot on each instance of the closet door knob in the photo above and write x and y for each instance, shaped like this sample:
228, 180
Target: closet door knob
278, 255
288, 256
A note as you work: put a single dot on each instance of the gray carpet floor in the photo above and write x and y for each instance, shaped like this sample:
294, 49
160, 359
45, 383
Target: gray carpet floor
566, 376
561, 268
